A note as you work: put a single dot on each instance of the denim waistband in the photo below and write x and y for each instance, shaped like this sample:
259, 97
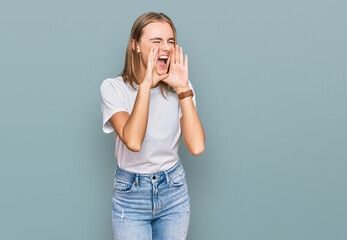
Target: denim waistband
168, 171
166, 174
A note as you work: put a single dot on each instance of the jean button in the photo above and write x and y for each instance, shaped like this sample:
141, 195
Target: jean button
153, 177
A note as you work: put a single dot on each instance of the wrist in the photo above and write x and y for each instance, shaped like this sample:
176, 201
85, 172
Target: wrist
182, 89
145, 85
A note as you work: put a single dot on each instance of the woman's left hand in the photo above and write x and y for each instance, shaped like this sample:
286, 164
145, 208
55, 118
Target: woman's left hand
178, 75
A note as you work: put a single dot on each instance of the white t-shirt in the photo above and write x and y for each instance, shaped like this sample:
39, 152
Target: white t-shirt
159, 150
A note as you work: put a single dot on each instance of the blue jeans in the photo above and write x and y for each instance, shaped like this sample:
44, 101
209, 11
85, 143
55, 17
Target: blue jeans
150, 206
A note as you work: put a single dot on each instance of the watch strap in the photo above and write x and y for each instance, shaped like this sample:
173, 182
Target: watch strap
185, 94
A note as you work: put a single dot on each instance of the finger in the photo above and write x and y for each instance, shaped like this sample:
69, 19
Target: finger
186, 61
156, 53
152, 53
181, 55
173, 56
177, 59
149, 59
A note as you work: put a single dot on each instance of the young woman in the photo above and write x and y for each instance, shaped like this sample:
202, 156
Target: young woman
150, 197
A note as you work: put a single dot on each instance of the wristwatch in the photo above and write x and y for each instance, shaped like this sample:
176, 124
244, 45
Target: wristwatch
185, 94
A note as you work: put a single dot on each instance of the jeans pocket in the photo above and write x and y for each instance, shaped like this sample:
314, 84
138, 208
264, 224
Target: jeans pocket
123, 184
178, 177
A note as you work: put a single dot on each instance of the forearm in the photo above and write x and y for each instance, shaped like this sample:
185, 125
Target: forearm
193, 133
135, 128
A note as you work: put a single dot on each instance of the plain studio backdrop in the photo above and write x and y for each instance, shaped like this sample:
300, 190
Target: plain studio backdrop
271, 89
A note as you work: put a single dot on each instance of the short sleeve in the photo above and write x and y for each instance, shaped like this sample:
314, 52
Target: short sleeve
111, 103
194, 101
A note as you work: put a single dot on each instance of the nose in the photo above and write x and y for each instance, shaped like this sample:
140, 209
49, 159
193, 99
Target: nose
165, 46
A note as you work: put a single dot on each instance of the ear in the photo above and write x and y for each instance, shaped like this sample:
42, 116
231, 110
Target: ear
133, 45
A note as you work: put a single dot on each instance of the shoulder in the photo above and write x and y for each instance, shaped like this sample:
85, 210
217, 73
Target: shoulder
112, 83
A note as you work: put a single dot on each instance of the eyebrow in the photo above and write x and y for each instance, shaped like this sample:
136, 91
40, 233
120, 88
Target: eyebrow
158, 38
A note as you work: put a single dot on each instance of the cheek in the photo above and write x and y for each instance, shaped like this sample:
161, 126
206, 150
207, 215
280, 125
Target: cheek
153, 45
144, 59
147, 50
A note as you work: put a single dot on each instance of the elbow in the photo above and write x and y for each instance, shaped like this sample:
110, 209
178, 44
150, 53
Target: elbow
198, 150
198, 146
134, 147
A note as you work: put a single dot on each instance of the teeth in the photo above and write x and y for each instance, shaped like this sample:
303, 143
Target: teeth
163, 57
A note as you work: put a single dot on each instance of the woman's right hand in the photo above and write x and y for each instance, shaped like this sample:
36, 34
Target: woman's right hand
151, 76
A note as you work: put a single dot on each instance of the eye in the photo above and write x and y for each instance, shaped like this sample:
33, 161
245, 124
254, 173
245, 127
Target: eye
156, 42
171, 42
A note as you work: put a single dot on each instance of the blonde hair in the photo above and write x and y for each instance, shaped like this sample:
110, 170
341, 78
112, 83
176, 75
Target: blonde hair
132, 57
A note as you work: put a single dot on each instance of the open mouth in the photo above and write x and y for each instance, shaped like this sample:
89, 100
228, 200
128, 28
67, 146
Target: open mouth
163, 60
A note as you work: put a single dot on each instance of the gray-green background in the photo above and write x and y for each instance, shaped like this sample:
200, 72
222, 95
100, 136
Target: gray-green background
270, 82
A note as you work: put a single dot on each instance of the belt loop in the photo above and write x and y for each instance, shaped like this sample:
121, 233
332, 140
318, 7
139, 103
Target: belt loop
167, 177
137, 180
